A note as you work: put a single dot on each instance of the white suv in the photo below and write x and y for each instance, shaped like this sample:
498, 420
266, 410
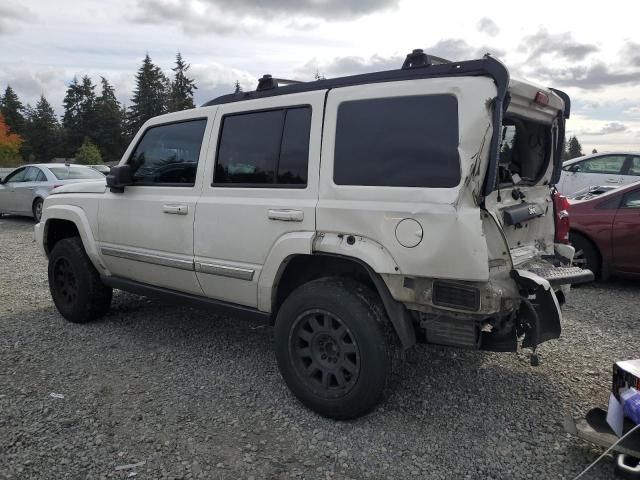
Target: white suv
360, 214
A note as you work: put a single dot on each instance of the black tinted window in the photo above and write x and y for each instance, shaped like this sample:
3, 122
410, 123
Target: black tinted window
263, 148
294, 155
168, 154
398, 142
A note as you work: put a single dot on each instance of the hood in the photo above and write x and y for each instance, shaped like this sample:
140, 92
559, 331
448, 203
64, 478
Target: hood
93, 186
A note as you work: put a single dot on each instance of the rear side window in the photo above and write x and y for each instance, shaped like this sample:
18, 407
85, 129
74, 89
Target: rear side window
266, 148
398, 142
168, 154
607, 164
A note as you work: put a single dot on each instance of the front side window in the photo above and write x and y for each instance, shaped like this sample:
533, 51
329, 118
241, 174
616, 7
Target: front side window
634, 168
631, 200
264, 148
607, 164
398, 142
168, 154
75, 172
16, 176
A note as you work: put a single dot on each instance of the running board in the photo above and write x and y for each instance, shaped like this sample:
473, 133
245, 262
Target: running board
181, 298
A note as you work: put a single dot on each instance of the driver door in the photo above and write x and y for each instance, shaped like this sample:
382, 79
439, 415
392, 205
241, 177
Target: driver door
8, 200
145, 233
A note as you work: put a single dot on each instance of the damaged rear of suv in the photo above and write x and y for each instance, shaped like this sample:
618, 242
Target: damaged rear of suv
359, 214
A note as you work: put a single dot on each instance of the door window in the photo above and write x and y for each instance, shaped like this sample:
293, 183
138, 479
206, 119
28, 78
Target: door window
17, 176
634, 168
32, 174
168, 154
607, 164
631, 200
264, 149
398, 142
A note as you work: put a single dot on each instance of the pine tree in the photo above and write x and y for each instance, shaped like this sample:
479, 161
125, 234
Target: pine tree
149, 97
594, 151
42, 133
12, 110
574, 149
182, 87
318, 76
79, 119
108, 133
237, 87
88, 153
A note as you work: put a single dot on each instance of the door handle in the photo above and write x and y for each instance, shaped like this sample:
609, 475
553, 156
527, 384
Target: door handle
286, 215
175, 209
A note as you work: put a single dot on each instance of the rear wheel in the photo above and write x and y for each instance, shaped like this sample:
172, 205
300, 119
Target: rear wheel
37, 209
586, 255
75, 284
333, 347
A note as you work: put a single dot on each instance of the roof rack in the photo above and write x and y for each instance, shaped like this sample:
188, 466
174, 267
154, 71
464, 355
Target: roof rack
416, 65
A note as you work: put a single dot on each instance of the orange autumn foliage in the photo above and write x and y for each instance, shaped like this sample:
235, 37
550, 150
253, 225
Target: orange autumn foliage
10, 144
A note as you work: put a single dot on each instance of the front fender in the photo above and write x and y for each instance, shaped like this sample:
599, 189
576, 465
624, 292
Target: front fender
78, 217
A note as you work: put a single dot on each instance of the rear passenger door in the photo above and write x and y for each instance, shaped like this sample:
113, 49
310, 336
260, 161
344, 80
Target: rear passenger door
261, 185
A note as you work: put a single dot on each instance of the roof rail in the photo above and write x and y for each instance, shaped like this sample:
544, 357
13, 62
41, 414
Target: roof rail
417, 65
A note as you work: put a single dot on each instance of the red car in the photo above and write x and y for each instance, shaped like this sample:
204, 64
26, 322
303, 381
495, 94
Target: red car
605, 231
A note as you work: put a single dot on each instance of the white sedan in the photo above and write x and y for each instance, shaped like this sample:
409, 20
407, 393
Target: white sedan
23, 191
612, 169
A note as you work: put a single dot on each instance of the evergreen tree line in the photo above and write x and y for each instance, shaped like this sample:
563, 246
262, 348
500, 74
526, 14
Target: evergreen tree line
573, 149
94, 121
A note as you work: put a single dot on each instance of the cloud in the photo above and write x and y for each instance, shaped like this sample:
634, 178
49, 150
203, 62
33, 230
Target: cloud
451, 49
595, 76
561, 45
223, 16
606, 129
214, 79
11, 16
488, 26
632, 111
631, 54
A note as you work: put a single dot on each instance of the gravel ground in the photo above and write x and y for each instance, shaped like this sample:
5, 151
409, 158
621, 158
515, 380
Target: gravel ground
185, 393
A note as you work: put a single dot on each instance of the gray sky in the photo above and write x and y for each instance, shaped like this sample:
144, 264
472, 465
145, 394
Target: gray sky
593, 54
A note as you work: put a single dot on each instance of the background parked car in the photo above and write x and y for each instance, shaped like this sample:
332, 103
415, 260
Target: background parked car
101, 168
605, 230
23, 191
599, 169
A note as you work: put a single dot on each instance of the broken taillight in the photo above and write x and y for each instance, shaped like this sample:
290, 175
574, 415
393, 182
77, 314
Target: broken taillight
561, 208
541, 98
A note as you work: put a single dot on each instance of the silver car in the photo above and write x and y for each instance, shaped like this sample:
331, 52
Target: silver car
23, 191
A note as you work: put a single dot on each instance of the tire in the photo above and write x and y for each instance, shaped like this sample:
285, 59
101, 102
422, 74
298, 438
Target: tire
75, 284
586, 256
335, 347
36, 209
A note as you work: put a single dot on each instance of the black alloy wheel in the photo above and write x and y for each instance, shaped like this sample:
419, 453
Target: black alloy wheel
325, 353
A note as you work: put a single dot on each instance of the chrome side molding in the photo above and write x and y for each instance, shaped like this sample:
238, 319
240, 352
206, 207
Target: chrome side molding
225, 270
148, 258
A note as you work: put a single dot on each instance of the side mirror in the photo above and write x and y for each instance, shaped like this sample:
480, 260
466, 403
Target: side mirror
574, 168
119, 177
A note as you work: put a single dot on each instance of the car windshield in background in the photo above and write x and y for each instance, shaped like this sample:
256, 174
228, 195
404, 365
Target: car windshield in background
75, 173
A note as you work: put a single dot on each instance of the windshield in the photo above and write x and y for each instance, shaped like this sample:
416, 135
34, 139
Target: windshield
524, 150
75, 172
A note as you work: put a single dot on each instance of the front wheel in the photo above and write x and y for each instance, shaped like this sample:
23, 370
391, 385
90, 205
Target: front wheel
334, 348
75, 284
